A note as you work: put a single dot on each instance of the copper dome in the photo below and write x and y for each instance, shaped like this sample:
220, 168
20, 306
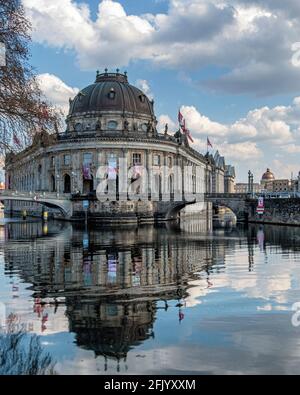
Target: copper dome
111, 92
268, 176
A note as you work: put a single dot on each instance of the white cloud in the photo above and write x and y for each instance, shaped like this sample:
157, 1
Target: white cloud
251, 40
284, 169
261, 139
144, 86
275, 125
202, 125
56, 91
162, 121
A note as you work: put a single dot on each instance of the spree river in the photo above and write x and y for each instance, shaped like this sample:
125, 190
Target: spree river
170, 299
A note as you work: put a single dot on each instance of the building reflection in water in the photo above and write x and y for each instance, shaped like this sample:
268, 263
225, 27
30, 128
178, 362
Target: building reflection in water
108, 280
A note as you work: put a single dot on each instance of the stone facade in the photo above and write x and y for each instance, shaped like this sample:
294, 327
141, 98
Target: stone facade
241, 187
111, 125
229, 179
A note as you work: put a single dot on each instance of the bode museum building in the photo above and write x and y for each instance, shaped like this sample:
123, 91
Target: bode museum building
112, 156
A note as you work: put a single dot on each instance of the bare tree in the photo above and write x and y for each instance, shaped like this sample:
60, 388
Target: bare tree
22, 354
23, 110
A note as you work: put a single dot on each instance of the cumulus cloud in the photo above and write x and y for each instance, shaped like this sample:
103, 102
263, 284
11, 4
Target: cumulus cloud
144, 86
163, 120
275, 125
261, 139
284, 168
251, 40
56, 91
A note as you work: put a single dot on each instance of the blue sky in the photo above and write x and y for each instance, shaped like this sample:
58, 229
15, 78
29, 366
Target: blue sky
228, 66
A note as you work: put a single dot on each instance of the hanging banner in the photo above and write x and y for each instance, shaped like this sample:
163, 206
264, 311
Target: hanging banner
112, 169
86, 171
260, 206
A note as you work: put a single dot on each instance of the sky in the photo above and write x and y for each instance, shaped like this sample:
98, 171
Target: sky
231, 66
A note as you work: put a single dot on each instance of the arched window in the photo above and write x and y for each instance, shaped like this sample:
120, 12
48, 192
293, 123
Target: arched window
171, 187
67, 183
39, 181
112, 94
158, 186
52, 183
112, 125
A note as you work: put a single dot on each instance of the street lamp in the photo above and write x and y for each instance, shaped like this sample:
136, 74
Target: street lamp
250, 183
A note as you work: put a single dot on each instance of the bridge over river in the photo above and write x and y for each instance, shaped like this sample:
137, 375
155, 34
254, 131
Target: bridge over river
236, 202
277, 210
52, 200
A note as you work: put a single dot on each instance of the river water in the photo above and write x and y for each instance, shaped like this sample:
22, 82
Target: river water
171, 299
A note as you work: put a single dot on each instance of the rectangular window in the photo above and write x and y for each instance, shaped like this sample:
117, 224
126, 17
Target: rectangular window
156, 160
112, 167
67, 160
87, 158
52, 161
136, 159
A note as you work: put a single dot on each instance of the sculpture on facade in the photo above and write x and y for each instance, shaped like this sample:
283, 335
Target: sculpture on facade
166, 129
98, 125
126, 126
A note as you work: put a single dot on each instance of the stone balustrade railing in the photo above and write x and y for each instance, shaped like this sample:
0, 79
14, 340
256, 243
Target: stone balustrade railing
9, 193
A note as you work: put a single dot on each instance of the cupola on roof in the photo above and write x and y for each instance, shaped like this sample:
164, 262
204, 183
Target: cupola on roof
111, 92
268, 176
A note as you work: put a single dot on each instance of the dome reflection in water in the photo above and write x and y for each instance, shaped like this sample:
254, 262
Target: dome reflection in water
176, 298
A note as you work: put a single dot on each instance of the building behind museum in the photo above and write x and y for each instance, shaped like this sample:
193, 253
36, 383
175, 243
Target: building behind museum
269, 183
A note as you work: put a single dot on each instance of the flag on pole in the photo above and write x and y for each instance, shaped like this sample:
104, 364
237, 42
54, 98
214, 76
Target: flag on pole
209, 144
186, 131
180, 118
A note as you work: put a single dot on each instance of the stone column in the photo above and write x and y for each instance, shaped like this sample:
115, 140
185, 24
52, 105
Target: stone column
148, 168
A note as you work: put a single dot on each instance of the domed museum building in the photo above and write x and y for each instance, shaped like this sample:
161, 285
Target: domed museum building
112, 161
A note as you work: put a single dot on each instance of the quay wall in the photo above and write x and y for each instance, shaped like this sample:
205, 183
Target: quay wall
277, 211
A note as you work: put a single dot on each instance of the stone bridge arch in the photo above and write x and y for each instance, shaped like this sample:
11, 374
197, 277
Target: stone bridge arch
237, 203
63, 204
175, 207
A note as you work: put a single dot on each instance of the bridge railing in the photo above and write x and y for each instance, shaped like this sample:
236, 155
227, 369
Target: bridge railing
228, 195
9, 193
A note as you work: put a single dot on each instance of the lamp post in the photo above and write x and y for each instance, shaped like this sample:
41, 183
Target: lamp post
250, 183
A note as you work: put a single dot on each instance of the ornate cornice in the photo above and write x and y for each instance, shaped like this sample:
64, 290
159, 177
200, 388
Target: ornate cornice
46, 141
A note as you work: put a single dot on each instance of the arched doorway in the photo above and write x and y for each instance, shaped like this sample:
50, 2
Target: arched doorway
88, 186
52, 183
67, 183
